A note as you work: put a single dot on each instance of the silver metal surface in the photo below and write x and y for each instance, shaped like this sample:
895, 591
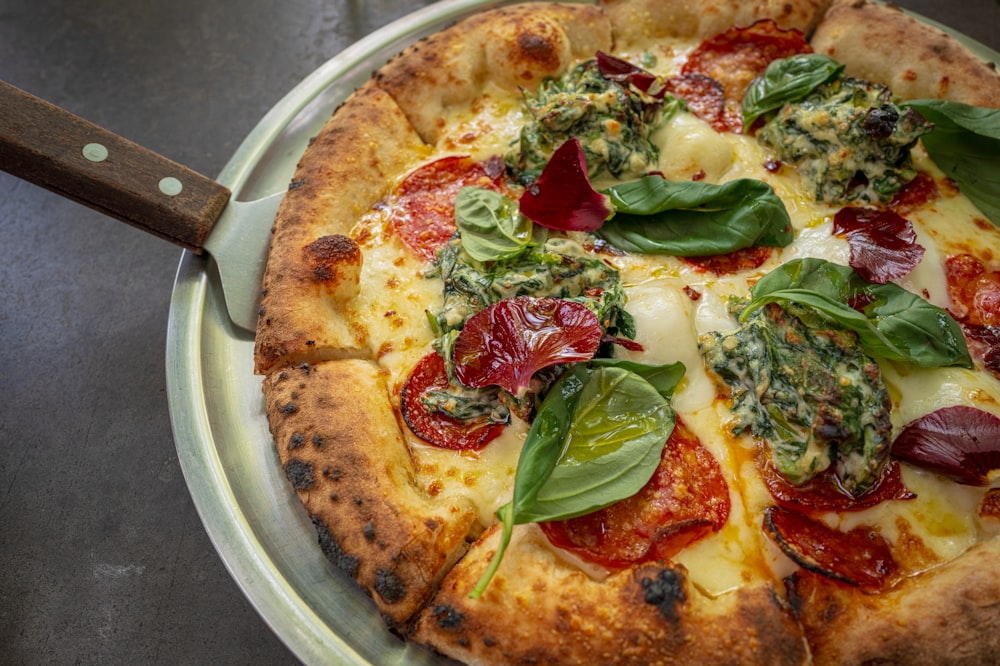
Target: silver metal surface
253, 517
241, 268
225, 449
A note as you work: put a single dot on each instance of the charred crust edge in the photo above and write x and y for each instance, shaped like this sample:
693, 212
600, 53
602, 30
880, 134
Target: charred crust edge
300, 474
666, 592
328, 544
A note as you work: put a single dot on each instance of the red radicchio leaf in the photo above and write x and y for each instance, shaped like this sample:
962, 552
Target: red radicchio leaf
622, 71
962, 443
507, 342
562, 198
883, 244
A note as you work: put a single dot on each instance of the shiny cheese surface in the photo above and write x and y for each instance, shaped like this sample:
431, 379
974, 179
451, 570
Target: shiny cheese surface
673, 304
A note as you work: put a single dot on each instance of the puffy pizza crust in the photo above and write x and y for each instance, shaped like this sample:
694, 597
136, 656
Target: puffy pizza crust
350, 467
948, 615
540, 610
881, 43
513, 47
637, 21
313, 266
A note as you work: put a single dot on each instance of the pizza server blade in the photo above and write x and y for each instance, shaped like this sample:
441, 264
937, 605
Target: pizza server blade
50, 147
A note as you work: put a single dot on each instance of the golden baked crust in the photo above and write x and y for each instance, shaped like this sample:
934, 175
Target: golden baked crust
513, 47
349, 465
645, 20
313, 266
948, 615
540, 610
917, 61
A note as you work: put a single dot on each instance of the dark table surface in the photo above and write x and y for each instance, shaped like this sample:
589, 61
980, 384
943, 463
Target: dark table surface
103, 559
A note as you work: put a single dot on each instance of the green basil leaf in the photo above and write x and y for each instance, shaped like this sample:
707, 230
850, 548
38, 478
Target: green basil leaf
491, 226
611, 449
787, 80
892, 323
664, 378
965, 144
692, 218
597, 439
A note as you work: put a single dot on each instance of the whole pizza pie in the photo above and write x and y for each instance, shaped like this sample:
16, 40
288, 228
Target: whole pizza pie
654, 331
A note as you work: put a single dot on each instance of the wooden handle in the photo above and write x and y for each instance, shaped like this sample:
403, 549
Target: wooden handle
50, 147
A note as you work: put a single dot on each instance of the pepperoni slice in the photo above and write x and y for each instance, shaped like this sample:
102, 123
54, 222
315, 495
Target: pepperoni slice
737, 56
685, 500
975, 303
704, 96
860, 557
821, 493
423, 209
436, 428
732, 262
974, 290
915, 194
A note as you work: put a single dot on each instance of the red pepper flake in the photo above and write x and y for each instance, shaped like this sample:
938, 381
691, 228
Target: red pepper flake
692, 293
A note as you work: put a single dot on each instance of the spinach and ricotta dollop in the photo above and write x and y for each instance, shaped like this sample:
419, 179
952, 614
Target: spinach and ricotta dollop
849, 139
558, 268
809, 390
612, 122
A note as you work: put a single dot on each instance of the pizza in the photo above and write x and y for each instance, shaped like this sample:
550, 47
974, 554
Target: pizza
653, 331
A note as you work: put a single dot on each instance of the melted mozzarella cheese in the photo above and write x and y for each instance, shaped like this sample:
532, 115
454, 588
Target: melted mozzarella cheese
918, 391
690, 148
943, 516
487, 128
662, 313
484, 479
673, 304
730, 558
391, 307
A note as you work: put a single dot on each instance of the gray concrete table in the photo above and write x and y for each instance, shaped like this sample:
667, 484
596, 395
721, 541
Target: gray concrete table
102, 556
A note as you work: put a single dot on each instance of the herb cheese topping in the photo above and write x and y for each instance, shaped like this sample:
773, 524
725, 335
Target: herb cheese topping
797, 363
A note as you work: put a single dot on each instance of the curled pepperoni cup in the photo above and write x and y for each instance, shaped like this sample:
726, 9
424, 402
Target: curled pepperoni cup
860, 557
506, 343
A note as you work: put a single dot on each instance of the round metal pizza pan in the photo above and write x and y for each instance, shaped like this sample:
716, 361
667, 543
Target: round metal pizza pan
216, 406
225, 450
